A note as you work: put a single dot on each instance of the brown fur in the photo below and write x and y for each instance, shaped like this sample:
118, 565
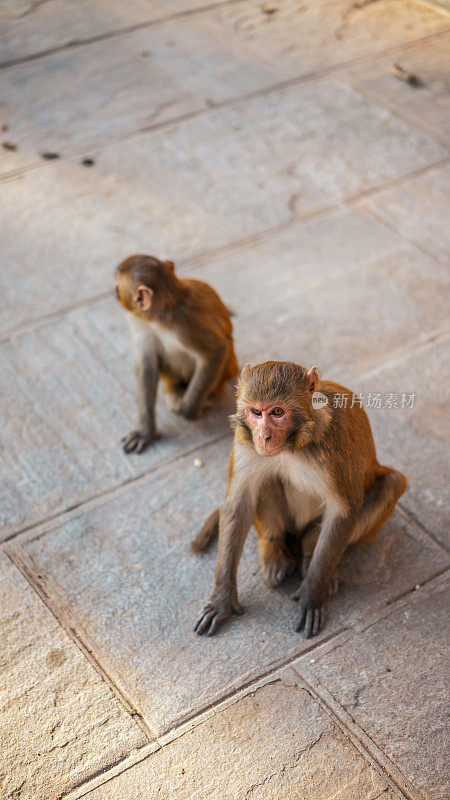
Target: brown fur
193, 315
334, 459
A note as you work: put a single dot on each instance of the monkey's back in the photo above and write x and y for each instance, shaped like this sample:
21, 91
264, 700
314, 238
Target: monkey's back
212, 323
349, 426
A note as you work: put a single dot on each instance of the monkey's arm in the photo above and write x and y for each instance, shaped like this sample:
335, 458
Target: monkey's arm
235, 519
312, 593
147, 373
206, 374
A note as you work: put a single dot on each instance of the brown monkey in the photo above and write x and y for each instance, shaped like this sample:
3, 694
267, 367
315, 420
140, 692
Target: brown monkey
296, 469
181, 332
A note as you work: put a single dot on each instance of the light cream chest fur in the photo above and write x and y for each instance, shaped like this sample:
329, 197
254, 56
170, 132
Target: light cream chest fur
308, 493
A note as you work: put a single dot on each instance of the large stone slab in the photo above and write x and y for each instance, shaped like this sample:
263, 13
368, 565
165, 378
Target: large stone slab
275, 742
60, 723
29, 27
289, 152
318, 34
393, 681
427, 106
108, 89
336, 291
68, 396
418, 210
133, 591
64, 229
66, 411
416, 440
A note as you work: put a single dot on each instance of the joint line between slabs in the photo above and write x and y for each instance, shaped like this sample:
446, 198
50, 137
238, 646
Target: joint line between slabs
114, 34
113, 491
361, 740
104, 496
278, 86
180, 15
411, 515
23, 564
97, 500
373, 213
382, 764
199, 259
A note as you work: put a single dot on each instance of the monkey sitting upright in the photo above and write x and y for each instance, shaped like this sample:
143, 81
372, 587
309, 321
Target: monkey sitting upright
298, 469
181, 332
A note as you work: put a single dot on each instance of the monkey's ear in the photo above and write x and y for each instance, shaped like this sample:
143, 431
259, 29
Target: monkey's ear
313, 379
170, 265
245, 370
142, 297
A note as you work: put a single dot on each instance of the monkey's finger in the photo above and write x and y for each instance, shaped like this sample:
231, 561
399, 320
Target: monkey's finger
309, 620
301, 623
129, 442
317, 622
313, 622
203, 622
130, 447
215, 624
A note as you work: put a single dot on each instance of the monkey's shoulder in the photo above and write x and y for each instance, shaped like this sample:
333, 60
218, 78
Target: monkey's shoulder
332, 389
204, 297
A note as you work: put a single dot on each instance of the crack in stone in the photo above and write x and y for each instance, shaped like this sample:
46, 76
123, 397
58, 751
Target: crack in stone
32, 7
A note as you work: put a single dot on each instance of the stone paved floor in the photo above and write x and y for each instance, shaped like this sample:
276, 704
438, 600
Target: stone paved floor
266, 148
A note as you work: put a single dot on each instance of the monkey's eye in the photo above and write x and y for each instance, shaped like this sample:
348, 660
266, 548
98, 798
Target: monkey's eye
256, 412
277, 411
116, 290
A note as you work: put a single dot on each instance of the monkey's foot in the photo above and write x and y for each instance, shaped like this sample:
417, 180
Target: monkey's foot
277, 562
179, 406
310, 621
137, 441
311, 613
214, 614
174, 396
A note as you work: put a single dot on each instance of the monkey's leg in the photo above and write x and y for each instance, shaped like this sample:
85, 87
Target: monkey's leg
333, 539
379, 503
271, 519
230, 370
174, 388
234, 525
147, 384
310, 536
202, 383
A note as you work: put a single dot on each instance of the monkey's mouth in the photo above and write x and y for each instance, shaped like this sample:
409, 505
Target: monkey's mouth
268, 447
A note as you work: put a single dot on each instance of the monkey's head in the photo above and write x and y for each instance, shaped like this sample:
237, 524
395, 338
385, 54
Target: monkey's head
274, 406
143, 282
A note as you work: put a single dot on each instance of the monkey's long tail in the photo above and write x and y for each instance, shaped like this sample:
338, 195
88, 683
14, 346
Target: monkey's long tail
208, 533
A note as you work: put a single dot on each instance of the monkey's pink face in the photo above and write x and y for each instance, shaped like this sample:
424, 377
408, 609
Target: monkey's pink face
269, 425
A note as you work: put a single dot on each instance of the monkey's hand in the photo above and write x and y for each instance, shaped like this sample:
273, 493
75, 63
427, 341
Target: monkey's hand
216, 612
311, 611
137, 441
